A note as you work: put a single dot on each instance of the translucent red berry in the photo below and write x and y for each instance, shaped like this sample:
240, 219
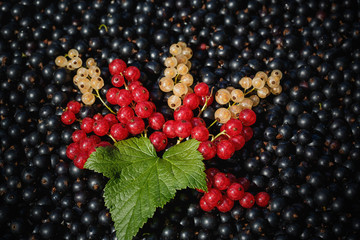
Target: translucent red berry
221, 181
117, 80
74, 107
86, 144
200, 133
233, 127
225, 149
72, 150
132, 73
197, 121
209, 98
125, 114
98, 117
140, 94
96, 138
111, 118
111, 95
183, 113
159, 140
183, 128
68, 117
211, 172
87, 124
207, 149
262, 199
101, 127
238, 142
247, 201
169, 128
247, 117
212, 197
225, 204
143, 109
133, 85
247, 133
78, 135
244, 182
205, 206
156, 121
124, 97
235, 191
119, 131
80, 160
135, 125
201, 89
191, 100
117, 66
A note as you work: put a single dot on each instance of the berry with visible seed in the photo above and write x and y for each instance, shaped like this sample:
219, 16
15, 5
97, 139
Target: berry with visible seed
156, 121
119, 131
74, 107
101, 127
247, 201
233, 127
144, 109
80, 160
207, 149
140, 94
200, 133
225, 149
125, 114
235, 191
117, 66
212, 197
221, 181
72, 150
159, 140
68, 117
183, 128
135, 125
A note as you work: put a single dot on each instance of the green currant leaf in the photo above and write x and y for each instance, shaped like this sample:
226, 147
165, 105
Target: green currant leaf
147, 182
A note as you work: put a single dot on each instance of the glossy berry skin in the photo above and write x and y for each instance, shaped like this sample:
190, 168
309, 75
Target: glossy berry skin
183, 128
225, 204
135, 125
169, 128
244, 182
233, 127
212, 197
197, 121
211, 172
159, 140
117, 66
68, 117
200, 133
205, 206
247, 201
208, 98
72, 150
80, 160
156, 121
87, 124
262, 199
132, 73
140, 94
247, 117
74, 107
118, 80
119, 131
219, 139
96, 138
235, 191
98, 117
111, 119
78, 135
143, 109
191, 100
207, 149
238, 142
225, 149
134, 85
221, 181
101, 127
124, 97
201, 89
125, 114
247, 133
183, 113
111, 95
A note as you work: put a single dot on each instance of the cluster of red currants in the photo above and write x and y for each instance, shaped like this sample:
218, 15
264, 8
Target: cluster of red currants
224, 189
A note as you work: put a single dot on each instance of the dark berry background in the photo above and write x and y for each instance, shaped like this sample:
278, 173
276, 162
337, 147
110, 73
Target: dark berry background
306, 146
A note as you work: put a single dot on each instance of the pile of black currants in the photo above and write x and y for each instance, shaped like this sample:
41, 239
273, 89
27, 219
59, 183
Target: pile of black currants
305, 148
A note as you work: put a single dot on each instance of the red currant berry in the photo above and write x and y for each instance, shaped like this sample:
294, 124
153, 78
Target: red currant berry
225, 149
87, 124
86, 144
235, 191
183, 128
98, 117
247, 117
78, 135
111, 118
209, 98
133, 85
233, 127
207, 149
125, 114
135, 126
117, 66
111, 95
68, 117
247, 201
200, 133
191, 100
80, 160
205, 206
211, 172
231, 177
212, 197
159, 140
101, 127
143, 109
153, 106
103, 144
201, 89
96, 138
74, 107
117, 80
140, 94
238, 142
202, 46
132, 73
197, 121
221, 181
183, 113
244, 182
220, 138
124, 97
248, 133
156, 121
119, 131
225, 204
262, 199
72, 150
169, 128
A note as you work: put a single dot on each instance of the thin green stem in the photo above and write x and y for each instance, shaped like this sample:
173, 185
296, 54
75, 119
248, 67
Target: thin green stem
218, 135
99, 97
177, 75
112, 138
179, 140
249, 91
212, 124
103, 25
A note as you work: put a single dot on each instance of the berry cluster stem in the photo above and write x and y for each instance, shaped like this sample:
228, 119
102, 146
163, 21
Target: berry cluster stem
246, 93
218, 135
99, 97
103, 25
212, 124
112, 138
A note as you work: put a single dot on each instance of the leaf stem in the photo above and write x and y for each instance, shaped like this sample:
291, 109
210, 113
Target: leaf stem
98, 96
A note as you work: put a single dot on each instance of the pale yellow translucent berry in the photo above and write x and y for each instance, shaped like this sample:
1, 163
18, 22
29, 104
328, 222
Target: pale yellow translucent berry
276, 73
170, 62
273, 81
247, 103
90, 62
188, 64
187, 79
88, 98
230, 89
181, 59
82, 72
237, 95
261, 75
76, 62
180, 89
84, 85
174, 101
61, 61
257, 83
255, 99
97, 83
263, 92
166, 84
76, 79
73, 53
175, 49
187, 52
182, 69
182, 44
222, 96
222, 115
94, 71
276, 90
70, 66
245, 82
170, 72
235, 110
